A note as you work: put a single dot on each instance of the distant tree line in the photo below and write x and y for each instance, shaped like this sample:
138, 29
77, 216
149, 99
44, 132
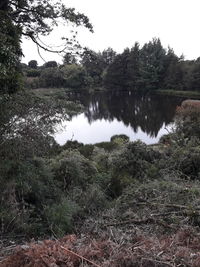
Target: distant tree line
150, 67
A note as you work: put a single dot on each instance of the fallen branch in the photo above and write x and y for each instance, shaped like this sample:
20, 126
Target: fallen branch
79, 256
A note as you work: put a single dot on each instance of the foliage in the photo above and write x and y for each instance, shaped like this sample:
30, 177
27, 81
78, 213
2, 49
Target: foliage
33, 64
26, 125
60, 216
50, 64
31, 19
121, 138
132, 162
52, 189
72, 169
10, 53
74, 76
33, 73
51, 77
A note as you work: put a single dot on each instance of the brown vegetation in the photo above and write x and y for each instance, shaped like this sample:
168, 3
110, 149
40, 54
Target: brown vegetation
179, 249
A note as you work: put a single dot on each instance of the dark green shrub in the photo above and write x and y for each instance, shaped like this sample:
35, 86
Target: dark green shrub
60, 216
33, 73
120, 138
134, 161
86, 150
71, 168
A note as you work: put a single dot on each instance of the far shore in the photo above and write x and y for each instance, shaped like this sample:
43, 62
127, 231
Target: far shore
192, 94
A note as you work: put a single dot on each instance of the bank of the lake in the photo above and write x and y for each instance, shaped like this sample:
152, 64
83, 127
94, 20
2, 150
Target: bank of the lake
190, 94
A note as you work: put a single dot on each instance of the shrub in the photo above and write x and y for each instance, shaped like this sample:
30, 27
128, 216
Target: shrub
134, 161
60, 216
120, 139
32, 73
71, 168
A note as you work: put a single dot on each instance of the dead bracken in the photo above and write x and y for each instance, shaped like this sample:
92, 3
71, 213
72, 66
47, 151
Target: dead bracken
179, 249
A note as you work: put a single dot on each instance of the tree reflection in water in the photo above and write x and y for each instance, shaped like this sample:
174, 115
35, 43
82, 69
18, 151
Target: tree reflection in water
144, 112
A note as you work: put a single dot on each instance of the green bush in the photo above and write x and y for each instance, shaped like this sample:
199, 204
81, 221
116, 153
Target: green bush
60, 216
133, 161
120, 139
32, 73
71, 168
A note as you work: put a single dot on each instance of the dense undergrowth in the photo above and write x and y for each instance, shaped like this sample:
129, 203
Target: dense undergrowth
109, 191
52, 193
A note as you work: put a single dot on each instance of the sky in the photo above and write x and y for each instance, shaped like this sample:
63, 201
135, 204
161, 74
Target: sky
120, 23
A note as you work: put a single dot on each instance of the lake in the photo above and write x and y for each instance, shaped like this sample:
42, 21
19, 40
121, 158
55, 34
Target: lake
145, 117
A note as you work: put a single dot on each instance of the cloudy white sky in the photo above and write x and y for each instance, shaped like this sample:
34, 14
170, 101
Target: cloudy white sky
120, 23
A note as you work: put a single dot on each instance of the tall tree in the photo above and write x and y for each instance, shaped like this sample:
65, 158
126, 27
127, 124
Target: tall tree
117, 74
133, 67
94, 65
152, 64
173, 78
10, 51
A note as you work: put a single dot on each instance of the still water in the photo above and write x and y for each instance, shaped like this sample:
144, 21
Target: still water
145, 117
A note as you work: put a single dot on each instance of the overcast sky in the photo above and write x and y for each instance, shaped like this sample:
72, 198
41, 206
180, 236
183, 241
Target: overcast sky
120, 23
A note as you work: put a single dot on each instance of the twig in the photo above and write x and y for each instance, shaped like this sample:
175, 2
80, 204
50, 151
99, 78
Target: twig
79, 256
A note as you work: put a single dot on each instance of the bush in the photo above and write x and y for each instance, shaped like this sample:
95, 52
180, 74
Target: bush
31, 82
33, 73
71, 168
51, 77
120, 139
134, 161
75, 76
60, 216
27, 190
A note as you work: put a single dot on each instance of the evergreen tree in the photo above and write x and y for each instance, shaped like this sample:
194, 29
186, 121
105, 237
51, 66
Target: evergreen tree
152, 64
133, 67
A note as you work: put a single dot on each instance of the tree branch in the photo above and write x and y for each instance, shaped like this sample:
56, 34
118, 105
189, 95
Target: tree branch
30, 35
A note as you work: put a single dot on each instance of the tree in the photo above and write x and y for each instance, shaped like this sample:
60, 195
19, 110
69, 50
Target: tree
51, 77
74, 76
195, 76
108, 55
94, 65
116, 75
10, 52
152, 64
50, 64
133, 67
69, 59
33, 64
173, 77
31, 19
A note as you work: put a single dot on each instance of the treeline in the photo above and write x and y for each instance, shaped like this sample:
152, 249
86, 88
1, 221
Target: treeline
77, 73
149, 67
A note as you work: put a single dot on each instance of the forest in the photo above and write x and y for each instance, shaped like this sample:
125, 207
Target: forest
116, 203
146, 68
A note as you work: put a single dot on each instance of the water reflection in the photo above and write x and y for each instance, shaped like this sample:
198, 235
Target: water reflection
138, 116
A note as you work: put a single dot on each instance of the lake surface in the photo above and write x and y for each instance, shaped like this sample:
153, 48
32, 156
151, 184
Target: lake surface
145, 117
